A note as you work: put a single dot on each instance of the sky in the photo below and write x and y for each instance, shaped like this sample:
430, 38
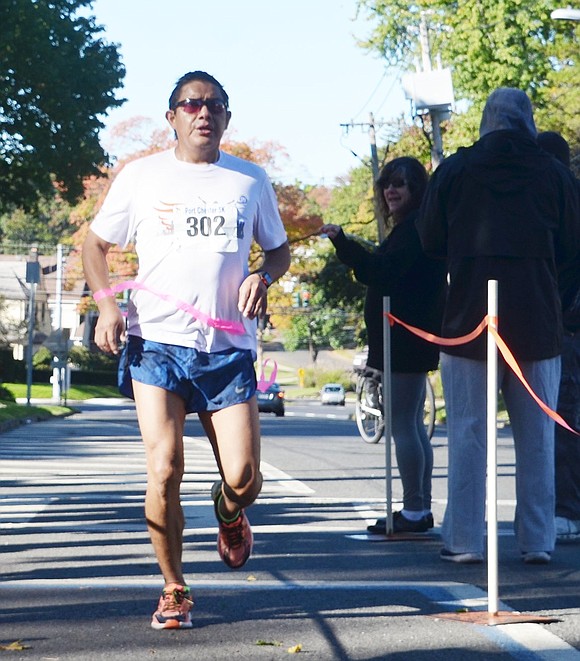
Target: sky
293, 72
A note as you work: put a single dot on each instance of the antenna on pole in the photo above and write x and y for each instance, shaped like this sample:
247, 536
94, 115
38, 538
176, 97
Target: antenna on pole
430, 90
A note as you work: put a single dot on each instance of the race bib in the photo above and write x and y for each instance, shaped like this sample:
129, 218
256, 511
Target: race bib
208, 227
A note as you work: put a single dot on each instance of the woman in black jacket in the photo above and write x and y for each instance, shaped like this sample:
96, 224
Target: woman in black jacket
416, 287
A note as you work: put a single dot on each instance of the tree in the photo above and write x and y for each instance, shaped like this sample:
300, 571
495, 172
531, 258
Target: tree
49, 224
351, 204
489, 44
57, 77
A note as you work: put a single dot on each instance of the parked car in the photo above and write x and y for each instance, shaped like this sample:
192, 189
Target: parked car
272, 400
332, 393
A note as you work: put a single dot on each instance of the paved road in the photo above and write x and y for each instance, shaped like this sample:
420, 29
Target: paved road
79, 581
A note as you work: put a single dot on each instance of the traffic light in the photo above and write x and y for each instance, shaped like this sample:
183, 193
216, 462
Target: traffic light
296, 299
305, 299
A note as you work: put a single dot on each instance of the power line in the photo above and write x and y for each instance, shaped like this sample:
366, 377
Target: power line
371, 127
372, 94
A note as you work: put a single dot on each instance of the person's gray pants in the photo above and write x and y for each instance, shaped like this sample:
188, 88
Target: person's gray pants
412, 445
464, 385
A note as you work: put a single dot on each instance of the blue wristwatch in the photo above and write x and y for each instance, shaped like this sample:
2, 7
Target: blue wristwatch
265, 277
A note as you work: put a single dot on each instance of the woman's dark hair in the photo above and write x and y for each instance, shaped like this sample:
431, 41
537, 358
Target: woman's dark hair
196, 75
410, 170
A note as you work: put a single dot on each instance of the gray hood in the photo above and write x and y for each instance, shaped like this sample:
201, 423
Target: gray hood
507, 108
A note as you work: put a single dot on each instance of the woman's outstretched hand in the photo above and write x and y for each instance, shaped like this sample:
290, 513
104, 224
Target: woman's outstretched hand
329, 230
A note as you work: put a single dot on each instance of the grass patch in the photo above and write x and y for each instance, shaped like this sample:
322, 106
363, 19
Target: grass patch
10, 411
44, 391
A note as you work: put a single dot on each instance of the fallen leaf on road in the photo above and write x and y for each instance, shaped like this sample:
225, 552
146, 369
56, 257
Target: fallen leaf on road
295, 649
273, 643
16, 646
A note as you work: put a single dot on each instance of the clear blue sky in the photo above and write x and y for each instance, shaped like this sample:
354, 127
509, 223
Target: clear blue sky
292, 70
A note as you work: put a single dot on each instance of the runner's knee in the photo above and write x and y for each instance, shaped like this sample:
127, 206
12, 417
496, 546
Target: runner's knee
165, 474
244, 489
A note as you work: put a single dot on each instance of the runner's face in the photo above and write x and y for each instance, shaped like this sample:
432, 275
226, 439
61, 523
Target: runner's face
198, 134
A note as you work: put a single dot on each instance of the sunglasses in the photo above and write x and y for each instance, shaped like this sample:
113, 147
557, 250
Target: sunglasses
396, 183
194, 106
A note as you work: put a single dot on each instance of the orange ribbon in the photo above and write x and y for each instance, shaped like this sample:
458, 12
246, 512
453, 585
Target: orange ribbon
435, 339
503, 348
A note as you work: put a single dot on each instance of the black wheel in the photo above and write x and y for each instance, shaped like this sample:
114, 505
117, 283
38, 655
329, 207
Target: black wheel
429, 410
368, 409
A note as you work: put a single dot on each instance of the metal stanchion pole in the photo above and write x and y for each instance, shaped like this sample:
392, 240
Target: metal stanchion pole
387, 411
493, 615
492, 541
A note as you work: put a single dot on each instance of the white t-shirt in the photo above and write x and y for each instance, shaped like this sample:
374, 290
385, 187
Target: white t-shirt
193, 226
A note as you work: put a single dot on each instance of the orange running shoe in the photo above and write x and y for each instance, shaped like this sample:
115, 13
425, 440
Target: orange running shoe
173, 611
235, 539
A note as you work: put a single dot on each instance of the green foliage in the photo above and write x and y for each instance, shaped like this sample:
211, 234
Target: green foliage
488, 44
298, 335
322, 326
405, 140
12, 413
48, 224
337, 287
42, 359
351, 204
335, 319
6, 395
314, 378
76, 392
81, 357
87, 360
57, 78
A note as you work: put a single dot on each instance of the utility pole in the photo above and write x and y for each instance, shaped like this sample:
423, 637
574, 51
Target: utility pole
370, 126
373, 141
32, 278
434, 113
58, 370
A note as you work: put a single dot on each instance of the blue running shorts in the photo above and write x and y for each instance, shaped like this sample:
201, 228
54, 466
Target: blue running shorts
205, 381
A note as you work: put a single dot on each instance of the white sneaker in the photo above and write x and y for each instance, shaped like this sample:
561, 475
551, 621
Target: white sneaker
567, 529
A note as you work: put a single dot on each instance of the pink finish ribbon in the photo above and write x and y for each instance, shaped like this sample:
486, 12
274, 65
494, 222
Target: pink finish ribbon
234, 327
264, 384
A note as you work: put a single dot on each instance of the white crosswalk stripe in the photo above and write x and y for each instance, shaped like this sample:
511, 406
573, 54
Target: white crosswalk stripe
42, 471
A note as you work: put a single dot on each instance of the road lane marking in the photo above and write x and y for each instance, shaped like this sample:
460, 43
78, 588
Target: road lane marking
528, 641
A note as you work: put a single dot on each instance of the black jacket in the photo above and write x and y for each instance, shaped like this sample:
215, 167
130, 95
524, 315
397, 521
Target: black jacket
503, 210
416, 287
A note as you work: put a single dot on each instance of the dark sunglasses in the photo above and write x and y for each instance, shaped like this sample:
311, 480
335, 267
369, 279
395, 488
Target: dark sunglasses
194, 106
396, 183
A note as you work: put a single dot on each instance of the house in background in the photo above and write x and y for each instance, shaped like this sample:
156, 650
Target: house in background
56, 317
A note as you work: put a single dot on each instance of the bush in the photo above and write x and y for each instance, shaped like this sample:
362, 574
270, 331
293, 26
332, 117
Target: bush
92, 361
315, 378
42, 359
6, 395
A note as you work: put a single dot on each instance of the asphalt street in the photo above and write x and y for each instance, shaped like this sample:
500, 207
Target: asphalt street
79, 581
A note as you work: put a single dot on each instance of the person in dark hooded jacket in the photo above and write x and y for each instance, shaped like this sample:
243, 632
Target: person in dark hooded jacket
567, 443
502, 210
